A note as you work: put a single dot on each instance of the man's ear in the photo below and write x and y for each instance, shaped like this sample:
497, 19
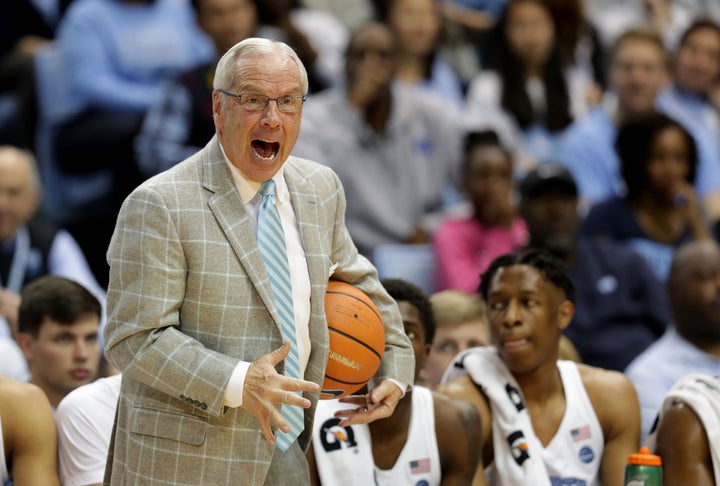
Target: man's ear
566, 310
24, 340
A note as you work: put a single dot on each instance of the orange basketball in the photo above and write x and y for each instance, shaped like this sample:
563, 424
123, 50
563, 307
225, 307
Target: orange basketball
357, 340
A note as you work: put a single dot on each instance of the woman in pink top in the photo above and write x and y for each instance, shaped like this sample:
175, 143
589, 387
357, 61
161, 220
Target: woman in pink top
465, 247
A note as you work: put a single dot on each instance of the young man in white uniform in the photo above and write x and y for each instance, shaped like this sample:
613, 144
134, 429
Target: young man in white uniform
27, 435
429, 440
544, 421
688, 432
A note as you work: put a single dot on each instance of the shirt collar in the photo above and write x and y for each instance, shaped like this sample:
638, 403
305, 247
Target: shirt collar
248, 189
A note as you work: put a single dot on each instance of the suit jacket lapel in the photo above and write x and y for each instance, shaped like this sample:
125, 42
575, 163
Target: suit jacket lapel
305, 203
226, 206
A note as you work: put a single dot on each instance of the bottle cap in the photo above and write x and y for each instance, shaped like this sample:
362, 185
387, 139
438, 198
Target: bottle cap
644, 458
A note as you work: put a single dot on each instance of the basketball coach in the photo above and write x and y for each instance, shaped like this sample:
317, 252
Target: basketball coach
218, 272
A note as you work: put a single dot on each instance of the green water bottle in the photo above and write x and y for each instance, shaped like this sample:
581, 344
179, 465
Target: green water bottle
643, 469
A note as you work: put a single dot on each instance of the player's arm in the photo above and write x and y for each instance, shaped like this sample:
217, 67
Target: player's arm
683, 446
458, 431
616, 405
465, 389
32, 437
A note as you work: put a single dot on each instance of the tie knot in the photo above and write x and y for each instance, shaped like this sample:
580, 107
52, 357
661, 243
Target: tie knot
267, 188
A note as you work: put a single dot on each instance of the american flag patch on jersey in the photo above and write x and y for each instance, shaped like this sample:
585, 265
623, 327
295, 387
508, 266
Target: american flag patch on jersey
581, 433
420, 466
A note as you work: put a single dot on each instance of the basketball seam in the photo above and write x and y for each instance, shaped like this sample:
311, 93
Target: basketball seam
346, 382
344, 334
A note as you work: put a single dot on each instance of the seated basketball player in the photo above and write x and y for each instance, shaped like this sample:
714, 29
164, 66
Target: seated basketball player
429, 439
28, 442
553, 422
688, 431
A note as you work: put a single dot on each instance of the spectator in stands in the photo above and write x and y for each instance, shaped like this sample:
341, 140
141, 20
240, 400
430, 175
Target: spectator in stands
84, 423
31, 246
58, 332
464, 247
637, 73
316, 35
669, 18
417, 24
658, 162
526, 92
115, 56
620, 306
543, 419
28, 440
478, 13
352, 13
461, 324
180, 121
580, 46
692, 345
395, 147
694, 97
26, 26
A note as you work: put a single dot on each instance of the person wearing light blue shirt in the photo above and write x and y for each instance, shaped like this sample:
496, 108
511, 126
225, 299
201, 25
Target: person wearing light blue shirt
30, 247
637, 74
694, 97
417, 25
395, 147
117, 52
693, 344
180, 121
114, 56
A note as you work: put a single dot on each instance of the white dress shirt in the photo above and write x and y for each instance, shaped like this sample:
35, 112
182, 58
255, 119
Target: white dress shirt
299, 276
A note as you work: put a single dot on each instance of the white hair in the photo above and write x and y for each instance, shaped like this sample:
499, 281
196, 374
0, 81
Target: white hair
226, 69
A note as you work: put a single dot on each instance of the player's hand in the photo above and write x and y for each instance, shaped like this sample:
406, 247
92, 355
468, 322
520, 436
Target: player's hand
377, 404
265, 388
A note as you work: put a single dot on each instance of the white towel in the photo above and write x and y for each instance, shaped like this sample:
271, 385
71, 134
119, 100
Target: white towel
518, 452
701, 393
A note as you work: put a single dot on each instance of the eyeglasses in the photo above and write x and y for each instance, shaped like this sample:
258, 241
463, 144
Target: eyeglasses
258, 102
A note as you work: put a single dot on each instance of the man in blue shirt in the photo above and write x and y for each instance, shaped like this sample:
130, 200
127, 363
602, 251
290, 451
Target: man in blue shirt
395, 147
30, 246
620, 306
694, 97
693, 344
637, 73
180, 121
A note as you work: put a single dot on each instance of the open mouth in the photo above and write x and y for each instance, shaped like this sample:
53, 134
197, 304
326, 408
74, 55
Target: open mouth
265, 150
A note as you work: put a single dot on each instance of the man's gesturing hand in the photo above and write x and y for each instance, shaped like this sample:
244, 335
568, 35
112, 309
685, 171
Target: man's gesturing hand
265, 388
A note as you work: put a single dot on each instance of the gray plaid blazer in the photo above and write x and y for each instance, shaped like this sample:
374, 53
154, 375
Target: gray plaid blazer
189, 297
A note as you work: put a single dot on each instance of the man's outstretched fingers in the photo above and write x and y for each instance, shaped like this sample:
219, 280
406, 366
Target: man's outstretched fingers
280, 353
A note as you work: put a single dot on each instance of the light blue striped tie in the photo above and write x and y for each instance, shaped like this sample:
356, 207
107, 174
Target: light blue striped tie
271, 241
